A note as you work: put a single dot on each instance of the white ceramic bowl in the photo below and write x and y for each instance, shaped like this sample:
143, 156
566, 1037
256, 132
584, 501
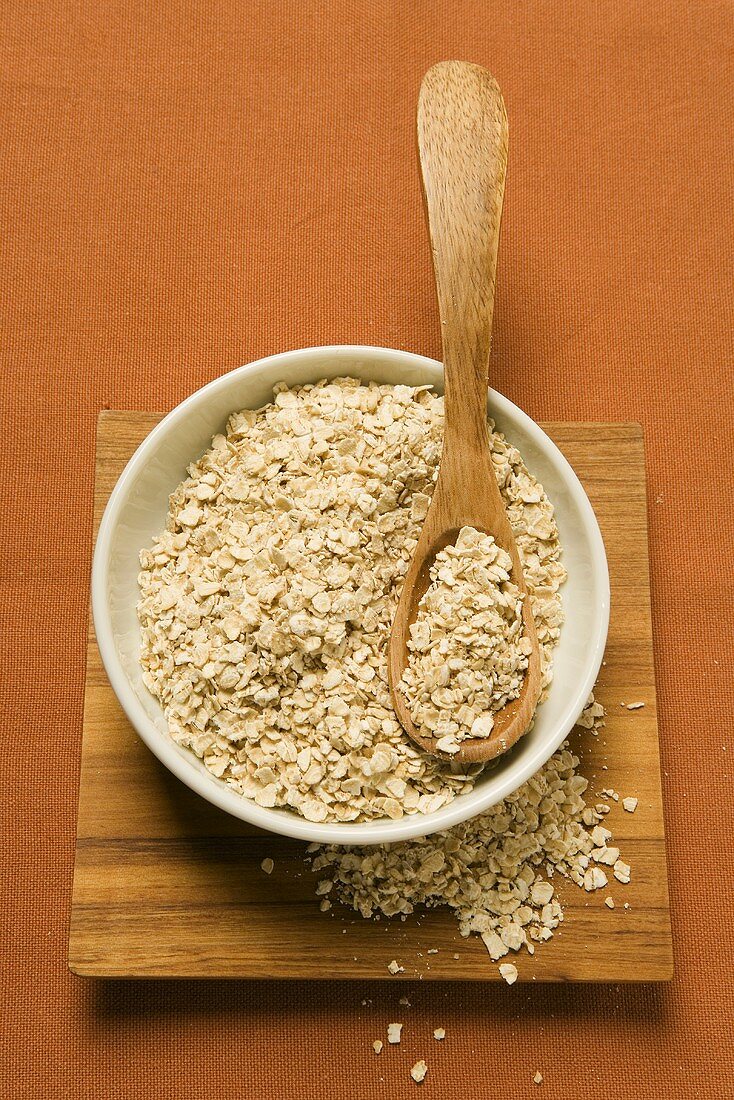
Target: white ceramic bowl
137, 510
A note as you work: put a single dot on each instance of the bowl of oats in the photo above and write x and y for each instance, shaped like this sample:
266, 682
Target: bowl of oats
247, 570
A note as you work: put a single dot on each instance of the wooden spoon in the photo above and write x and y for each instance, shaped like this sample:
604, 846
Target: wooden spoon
462, 142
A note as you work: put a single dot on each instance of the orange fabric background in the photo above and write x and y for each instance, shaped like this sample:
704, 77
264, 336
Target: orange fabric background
186, 186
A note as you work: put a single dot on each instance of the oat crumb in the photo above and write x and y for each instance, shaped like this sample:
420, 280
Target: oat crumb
439, 1033
609, 902
377, 1046
635, 706
508, 972
538, 1078
622, 871
393, 1033
630, 804
395, 968
594, 879
419, 1071
267, 865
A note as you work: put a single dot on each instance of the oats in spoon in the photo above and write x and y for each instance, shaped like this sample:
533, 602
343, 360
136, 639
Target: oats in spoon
467, 653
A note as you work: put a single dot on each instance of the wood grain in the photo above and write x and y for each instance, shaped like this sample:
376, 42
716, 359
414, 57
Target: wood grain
165, 885
462, 142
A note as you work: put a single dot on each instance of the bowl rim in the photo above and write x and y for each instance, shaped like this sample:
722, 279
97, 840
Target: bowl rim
287, 822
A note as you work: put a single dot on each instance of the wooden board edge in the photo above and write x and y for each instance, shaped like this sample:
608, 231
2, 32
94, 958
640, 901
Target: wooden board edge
92, 970
647, 605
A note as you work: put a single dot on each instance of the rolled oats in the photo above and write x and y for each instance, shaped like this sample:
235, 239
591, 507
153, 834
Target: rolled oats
494, 869
467, 652
266, 604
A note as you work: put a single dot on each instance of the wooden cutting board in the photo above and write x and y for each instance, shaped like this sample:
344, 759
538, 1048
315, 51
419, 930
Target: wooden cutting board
165, 885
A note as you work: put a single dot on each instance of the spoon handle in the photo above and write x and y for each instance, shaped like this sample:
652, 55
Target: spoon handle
462, 142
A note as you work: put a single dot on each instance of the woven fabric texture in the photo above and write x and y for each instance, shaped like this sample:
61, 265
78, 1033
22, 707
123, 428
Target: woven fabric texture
187, 186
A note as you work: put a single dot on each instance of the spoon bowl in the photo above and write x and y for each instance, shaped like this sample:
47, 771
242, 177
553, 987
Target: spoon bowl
441, 529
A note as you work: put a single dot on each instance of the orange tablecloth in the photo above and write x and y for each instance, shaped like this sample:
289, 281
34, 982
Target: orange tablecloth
187, 186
